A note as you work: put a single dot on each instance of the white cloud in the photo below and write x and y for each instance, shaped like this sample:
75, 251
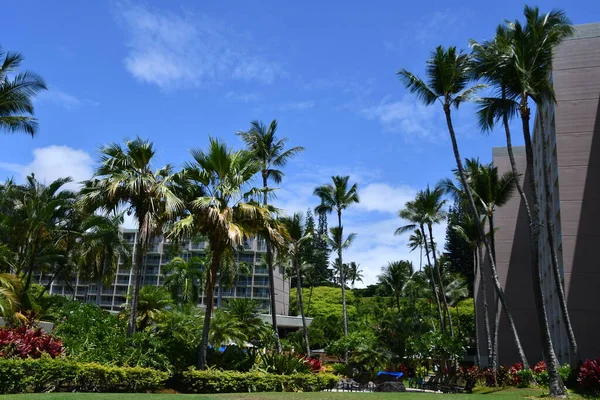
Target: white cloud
385, 198
66, 100
297, 105
376, 245
408, 117
245, 97
53, 162
173, 50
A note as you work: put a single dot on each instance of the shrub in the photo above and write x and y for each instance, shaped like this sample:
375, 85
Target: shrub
513, 372
589, 377
214, 381
338, 368
283, 363
28, 343
471, 375
60, 374
525, 378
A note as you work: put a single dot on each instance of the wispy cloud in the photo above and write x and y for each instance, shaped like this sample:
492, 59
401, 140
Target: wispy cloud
297, 105
53, 162
408, 117
244, 97
66, 100
176, 50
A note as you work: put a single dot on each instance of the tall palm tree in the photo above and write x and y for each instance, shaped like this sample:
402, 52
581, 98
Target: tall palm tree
17, 90
449, 72
268, 150
427, 210
103, 246
417, 241
468, 231
353, 273
297, 237
518, 62
335, 198
223, 214
184, 279
125, 179
396, 275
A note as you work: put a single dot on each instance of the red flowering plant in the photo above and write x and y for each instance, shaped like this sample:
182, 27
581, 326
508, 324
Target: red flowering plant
471, 376
539, 367
26, 342
589, 377
513, 373
315, 364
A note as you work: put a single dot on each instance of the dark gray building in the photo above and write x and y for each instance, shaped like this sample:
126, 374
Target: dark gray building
572, 136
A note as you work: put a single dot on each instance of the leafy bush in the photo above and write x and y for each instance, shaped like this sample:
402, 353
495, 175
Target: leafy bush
60, 374
214, 381
589, 377
25, 342
525, 378
91, 334
283, 363
338, 368
232, 358
471, 375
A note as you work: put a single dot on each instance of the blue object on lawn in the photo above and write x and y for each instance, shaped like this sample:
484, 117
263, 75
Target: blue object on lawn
398, 375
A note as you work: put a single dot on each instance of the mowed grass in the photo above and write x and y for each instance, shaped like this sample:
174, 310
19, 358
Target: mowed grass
483, 395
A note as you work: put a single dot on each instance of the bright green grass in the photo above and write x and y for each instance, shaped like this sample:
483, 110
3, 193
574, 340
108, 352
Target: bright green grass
489, 395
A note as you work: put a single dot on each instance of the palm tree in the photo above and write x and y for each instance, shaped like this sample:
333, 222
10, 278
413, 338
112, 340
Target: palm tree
17, 90
353, 273
426, 210
226, 330
102, 248
222, 214
10, 288
184, 279
396, 275
491, 191
417, 241
468, 231
270, 152
125, 179
449, 73
518, 62
297, 237
152, 302
337, 197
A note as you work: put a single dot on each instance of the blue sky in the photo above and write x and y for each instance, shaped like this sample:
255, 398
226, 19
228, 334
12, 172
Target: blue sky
176, 72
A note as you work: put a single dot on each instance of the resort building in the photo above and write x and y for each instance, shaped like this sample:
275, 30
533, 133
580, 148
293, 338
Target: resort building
254, 285
572, 136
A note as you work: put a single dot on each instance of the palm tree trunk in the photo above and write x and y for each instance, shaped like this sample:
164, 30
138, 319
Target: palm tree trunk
420, 258
477, 347
343, 282
273, 303
486, 243
100, 279
497, 309
552, 245
486, 316
301, 305
433, 284
210, 303
310, 298
554, 382
439, 274
137, 283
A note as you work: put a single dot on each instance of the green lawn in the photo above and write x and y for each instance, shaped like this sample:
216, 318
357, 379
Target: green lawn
493, 395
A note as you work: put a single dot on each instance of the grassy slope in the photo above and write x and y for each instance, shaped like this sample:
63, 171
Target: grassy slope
493, 395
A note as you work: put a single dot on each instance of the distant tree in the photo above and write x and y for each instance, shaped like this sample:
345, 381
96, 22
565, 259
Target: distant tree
458, 252
321, 263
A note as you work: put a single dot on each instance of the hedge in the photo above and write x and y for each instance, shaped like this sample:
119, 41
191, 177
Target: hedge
215, 381
60, 374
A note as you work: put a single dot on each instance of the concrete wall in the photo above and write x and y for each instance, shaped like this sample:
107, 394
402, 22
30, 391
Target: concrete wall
576, 77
